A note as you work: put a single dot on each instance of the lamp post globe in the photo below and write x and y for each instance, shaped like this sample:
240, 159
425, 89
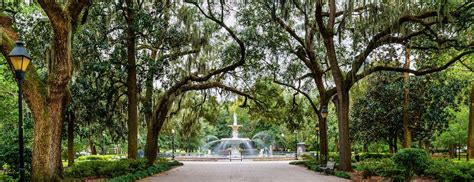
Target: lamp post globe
20, 59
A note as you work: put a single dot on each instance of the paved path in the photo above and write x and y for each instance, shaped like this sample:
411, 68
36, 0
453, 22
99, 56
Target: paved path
262, 171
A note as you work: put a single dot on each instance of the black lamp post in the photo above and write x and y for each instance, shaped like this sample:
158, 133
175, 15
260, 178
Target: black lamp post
172, 144
282, 141
20, 59
296, 145
317, 143
324, 114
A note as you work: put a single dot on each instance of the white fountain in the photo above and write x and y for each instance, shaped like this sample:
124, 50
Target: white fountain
235, 141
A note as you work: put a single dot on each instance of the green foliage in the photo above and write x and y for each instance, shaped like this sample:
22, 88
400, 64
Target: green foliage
333, 156
119, 170
160, 167
102, 168
299, 162
377, 110
9, 125
446, 170
97, 158
6, 178
309, 162
384, 167
456, 133
342, 174
366, 156
411, 161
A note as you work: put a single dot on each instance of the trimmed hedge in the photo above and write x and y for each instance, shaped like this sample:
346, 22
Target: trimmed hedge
446, 170
366, 156
146, 172
112, 169
107, 169
98, 158
406, 163
313, 165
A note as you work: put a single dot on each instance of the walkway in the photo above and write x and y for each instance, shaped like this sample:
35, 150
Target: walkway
271, 171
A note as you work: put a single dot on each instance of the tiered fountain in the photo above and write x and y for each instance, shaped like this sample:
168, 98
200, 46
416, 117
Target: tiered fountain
235, 141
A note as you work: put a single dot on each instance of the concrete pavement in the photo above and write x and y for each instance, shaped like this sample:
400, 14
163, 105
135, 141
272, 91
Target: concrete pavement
261, 171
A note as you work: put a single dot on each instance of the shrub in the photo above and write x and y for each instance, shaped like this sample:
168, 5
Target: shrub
97, 158
136, 175
310, 164
366, 156
445, 170
368, 168
383, 167
307, 157
333, 156
411, 161
301, 162
101, 168
342, 174
6, 178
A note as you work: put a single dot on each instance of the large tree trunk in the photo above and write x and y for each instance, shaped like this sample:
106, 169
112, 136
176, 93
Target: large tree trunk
45, 98
92, 147
159, 117
131, 83
46, 162
344, 142
470, 136
406, 102
342, 106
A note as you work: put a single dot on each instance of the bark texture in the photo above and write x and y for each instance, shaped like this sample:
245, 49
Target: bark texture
45, 99
131, 83
470, 137
406, 102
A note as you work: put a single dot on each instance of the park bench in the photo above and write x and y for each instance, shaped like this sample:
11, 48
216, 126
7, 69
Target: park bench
329, 168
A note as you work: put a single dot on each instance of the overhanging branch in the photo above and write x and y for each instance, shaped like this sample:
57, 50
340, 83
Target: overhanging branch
415, 72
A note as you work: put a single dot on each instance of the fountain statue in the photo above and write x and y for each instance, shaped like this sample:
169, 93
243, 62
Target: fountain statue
235, 141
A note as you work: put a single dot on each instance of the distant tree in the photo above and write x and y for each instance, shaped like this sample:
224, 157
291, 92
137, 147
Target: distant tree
377, 113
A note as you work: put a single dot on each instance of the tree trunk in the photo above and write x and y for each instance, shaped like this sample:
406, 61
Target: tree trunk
70, 139
92, 146
395, 147
452, 151
131, 83
407, 139
148, 104
470, 137
159, 117
365, 147
342, 98
344, 141
47, 165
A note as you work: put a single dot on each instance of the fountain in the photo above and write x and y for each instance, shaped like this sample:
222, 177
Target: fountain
235, 142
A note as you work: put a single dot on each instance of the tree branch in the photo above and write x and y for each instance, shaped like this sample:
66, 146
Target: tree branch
415, 72
313, 105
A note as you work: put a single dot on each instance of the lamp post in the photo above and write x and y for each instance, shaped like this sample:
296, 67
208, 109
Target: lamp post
282, 142
317, 143
324, 114
172, 143
20, 59
296, 145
